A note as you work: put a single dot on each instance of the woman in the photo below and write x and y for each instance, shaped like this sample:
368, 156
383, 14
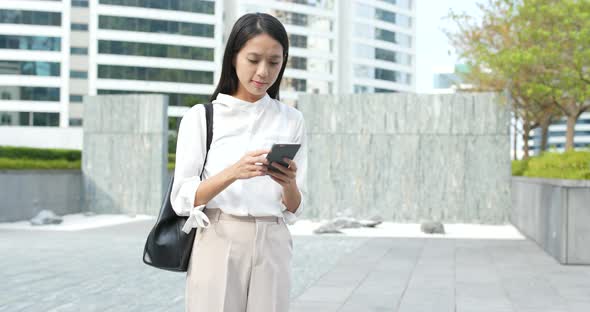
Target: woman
242, 250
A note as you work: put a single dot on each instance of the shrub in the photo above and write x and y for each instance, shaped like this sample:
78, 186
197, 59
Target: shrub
567, 165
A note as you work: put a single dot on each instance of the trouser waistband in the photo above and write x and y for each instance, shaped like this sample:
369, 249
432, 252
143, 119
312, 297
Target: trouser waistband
215, 214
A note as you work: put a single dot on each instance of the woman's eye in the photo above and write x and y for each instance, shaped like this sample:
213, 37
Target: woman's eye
275, 63
253, 62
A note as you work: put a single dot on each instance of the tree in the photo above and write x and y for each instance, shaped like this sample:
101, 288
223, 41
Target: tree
492, 48
539, 49
559, 35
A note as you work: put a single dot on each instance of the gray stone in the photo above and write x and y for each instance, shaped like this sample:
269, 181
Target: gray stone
554, 213
125, 153
46, 217
328, 228
425, 155
432, 227
25, 193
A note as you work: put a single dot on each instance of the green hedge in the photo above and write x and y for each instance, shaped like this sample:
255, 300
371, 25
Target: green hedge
568, 165
23, 163
40, 153
46, 158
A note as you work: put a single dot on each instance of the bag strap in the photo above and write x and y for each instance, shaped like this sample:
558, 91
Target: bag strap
209, 118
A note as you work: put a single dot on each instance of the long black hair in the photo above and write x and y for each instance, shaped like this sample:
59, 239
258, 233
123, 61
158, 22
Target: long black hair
245, 28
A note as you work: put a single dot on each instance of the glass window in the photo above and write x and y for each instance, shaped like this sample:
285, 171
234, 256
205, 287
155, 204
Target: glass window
5, 118
79, 27
369, 12
298, 41
45, 119
78, 51
76, 98
30, 17
323, 4
24, 119
405, 4
80, 3
361, 89
155, 26
294, 84
197, 6
29, 93
29, 68
155, 50
155, 74
75, 122
297, 62
174, 99
380, 90
78, 74
30, 43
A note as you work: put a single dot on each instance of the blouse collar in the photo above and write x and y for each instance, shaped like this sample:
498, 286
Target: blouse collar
232, 101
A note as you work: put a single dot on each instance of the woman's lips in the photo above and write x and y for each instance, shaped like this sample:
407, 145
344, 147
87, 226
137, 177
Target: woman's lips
258, 84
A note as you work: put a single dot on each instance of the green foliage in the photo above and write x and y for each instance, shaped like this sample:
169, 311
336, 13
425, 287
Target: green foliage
43, 158
519, 166
40, 153
569, 165
24, 163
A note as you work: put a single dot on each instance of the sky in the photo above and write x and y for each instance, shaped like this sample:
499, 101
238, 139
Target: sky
432, 45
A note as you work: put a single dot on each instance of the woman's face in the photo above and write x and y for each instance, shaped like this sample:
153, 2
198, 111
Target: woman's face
257, 65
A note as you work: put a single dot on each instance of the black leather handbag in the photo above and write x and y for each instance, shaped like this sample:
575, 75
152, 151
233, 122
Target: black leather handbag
167, 247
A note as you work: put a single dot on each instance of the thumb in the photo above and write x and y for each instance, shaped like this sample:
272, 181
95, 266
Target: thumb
259, 152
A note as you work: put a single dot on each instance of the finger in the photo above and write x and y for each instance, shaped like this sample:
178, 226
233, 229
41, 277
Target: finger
287, 172
257, 168
258, 152
277, 175
279, 167
292, 164
261, 160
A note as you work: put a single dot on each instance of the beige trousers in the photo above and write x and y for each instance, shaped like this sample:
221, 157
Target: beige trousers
240, 264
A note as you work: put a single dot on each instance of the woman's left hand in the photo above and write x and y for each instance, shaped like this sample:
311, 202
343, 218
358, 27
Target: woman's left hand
286, 176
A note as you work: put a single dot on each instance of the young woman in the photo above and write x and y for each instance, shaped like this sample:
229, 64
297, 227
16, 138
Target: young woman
242, 250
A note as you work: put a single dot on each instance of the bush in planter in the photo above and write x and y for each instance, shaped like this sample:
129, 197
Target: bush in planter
23, 163
46, 158
39, 158
567, 165
39, 153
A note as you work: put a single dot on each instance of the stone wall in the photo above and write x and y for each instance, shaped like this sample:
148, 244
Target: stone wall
25, 193
125, 153
554, 213
409, 157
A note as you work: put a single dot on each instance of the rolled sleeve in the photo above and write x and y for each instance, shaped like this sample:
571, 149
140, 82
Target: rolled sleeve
190, 155
301, 179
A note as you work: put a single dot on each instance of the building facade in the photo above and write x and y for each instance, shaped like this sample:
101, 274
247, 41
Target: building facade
557, 135
54, 52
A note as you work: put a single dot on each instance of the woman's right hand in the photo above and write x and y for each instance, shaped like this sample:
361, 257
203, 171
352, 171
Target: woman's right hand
247, 167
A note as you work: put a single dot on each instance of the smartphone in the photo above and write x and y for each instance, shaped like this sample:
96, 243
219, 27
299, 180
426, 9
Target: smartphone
280, 151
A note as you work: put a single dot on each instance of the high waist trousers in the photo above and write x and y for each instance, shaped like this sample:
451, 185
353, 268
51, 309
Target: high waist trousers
240, 264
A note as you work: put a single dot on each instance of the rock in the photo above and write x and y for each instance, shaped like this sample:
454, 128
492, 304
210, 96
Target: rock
327, 228
433, 227
372, 221
46, 217
346, 223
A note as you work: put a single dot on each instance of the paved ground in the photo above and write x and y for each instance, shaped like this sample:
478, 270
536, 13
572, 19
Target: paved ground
101, 270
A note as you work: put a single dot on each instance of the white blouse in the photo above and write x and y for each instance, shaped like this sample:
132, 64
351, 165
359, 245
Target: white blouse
238, 127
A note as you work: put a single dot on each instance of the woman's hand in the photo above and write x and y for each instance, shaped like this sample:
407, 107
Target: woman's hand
247, 167
286, 176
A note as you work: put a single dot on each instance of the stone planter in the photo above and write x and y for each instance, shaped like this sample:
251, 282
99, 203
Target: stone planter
556, 214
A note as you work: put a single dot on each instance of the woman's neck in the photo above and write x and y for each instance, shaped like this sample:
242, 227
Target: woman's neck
244, 95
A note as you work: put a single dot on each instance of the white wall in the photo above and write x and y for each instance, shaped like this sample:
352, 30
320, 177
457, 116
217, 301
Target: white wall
41, 137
